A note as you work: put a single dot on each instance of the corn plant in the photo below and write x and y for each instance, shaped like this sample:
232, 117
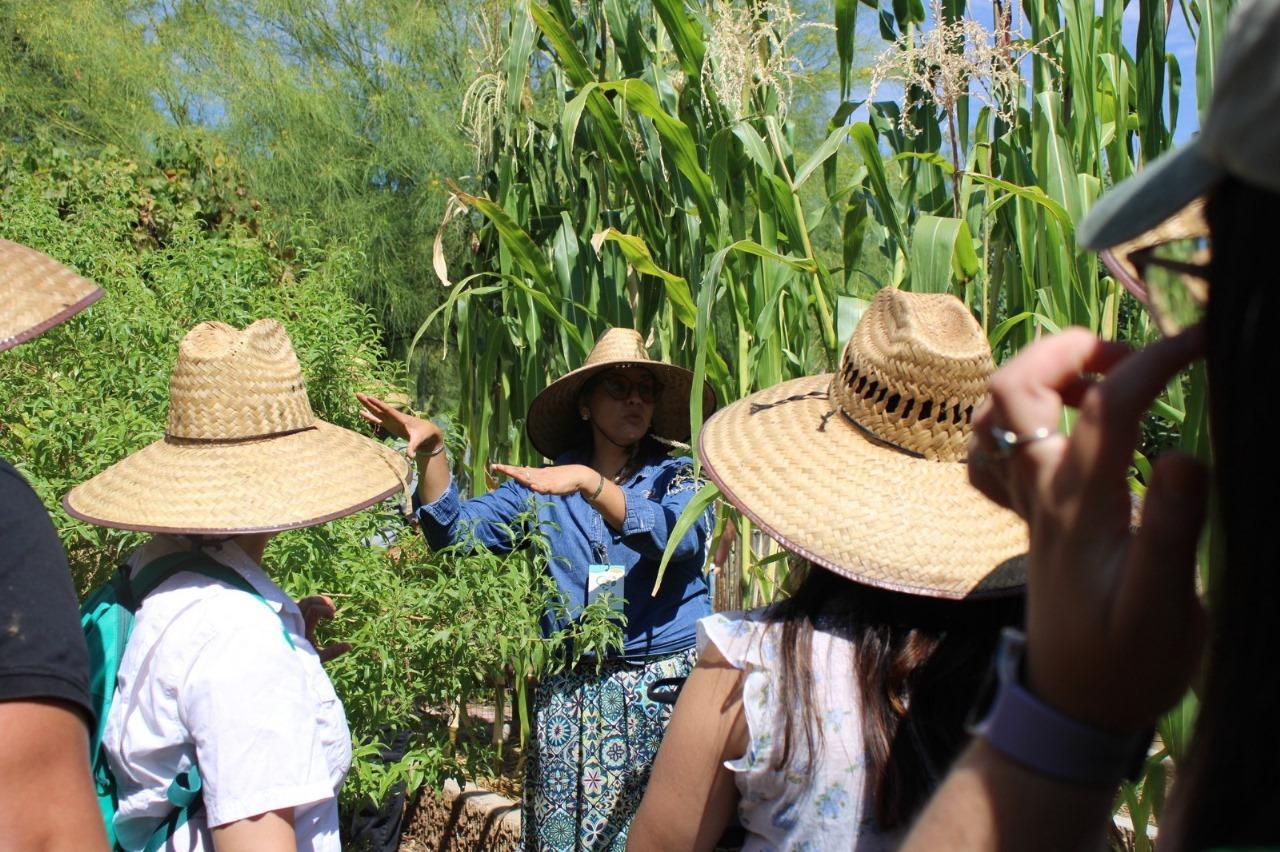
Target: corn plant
639, 168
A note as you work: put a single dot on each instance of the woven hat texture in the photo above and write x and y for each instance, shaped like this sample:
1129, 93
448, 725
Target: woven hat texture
862, 471
242, 451
554, 424
36, 293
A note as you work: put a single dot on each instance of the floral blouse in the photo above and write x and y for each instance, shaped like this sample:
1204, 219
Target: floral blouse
823, 808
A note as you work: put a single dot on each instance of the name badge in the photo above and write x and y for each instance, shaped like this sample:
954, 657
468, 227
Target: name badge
606, 578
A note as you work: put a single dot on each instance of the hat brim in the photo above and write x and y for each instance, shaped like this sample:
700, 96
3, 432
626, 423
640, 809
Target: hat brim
266, 485
830, 493
1147, 199
554, 425
37, 292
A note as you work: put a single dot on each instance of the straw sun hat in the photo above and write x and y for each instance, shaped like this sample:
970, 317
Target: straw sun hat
554, 424
243, 452
37, 293
862, 471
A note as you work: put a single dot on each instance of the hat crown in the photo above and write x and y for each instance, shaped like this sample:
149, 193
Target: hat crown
231, 385
913, 371
617, 344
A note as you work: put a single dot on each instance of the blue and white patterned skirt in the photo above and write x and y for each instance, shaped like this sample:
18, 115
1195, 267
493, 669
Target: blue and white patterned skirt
595, 738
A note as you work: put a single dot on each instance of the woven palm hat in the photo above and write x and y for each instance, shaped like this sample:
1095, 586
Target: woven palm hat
863, 471
554, 424
242, 452
37, 293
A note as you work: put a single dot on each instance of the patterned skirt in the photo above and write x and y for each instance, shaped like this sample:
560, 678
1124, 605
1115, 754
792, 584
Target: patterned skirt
595, 738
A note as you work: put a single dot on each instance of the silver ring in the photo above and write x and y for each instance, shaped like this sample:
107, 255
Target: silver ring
1007, 440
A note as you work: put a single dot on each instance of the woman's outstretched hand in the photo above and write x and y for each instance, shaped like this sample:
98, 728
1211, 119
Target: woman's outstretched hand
1114, 623
421, 433
558, 479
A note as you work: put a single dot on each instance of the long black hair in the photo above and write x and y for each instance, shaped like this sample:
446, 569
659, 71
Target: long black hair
1231, 782
918, 665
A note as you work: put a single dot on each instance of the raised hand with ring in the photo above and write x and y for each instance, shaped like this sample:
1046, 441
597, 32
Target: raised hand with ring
1104, 600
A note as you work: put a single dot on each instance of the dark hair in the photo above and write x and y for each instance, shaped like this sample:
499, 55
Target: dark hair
1231, 779
918, 664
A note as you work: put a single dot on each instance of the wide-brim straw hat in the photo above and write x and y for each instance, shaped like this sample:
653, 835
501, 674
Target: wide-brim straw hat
243, 452
36, 293
863, 471
554, 424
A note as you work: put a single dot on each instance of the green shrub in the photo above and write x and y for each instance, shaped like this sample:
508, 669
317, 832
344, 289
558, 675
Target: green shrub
182, 241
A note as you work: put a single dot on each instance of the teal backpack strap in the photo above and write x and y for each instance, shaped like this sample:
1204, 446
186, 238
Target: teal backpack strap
184, 794
146, 578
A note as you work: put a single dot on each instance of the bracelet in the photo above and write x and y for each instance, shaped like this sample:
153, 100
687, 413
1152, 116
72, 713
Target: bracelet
1031, 733
437, 451
599, 488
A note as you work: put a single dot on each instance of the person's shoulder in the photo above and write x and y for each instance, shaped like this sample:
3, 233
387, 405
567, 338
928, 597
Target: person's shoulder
21, 512
742, 637
210, 615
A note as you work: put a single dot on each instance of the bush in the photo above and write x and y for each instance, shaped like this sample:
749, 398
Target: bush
181, 241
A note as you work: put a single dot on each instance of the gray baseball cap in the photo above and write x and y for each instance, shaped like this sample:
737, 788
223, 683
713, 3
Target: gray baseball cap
1240, 137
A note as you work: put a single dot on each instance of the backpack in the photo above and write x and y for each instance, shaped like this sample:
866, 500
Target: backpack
107, 620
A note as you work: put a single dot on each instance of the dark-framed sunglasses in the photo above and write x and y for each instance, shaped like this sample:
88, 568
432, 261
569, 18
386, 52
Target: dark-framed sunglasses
620, 387
1171, 280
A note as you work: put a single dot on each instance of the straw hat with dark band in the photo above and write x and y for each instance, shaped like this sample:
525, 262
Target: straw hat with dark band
862, 471
37, 293
243, 452
554, 424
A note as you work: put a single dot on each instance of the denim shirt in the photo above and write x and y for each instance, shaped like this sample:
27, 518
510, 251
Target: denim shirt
578, 536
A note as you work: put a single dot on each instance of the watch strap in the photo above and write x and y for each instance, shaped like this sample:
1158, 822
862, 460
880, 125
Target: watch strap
1031, 733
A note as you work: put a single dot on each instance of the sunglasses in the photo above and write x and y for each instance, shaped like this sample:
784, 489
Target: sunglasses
1170, 278
620, 388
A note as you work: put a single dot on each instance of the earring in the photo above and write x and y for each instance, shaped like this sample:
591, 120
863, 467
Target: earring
585, 416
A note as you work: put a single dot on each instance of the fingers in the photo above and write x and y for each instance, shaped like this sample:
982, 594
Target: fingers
315, 608
520, 474
371, 403
330, 652
1028, 394
1107, 432
320, 605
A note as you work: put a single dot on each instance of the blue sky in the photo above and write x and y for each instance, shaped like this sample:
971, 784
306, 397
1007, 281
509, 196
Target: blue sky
1179, 42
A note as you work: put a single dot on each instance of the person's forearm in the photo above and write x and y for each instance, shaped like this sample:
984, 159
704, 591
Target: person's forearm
47, 799
611, 503
987, 802
433, 469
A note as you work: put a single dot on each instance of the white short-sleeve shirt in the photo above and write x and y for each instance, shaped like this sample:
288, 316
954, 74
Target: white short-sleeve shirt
824, 808
208, 678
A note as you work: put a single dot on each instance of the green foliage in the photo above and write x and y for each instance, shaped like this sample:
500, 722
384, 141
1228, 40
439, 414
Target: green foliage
182, 241
345, 115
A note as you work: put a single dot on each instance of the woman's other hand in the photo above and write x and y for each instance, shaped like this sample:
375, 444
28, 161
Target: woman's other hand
1114, 624
316, 608
558, 479
421, 433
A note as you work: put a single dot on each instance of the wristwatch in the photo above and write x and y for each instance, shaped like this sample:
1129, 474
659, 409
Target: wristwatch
1031, 733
